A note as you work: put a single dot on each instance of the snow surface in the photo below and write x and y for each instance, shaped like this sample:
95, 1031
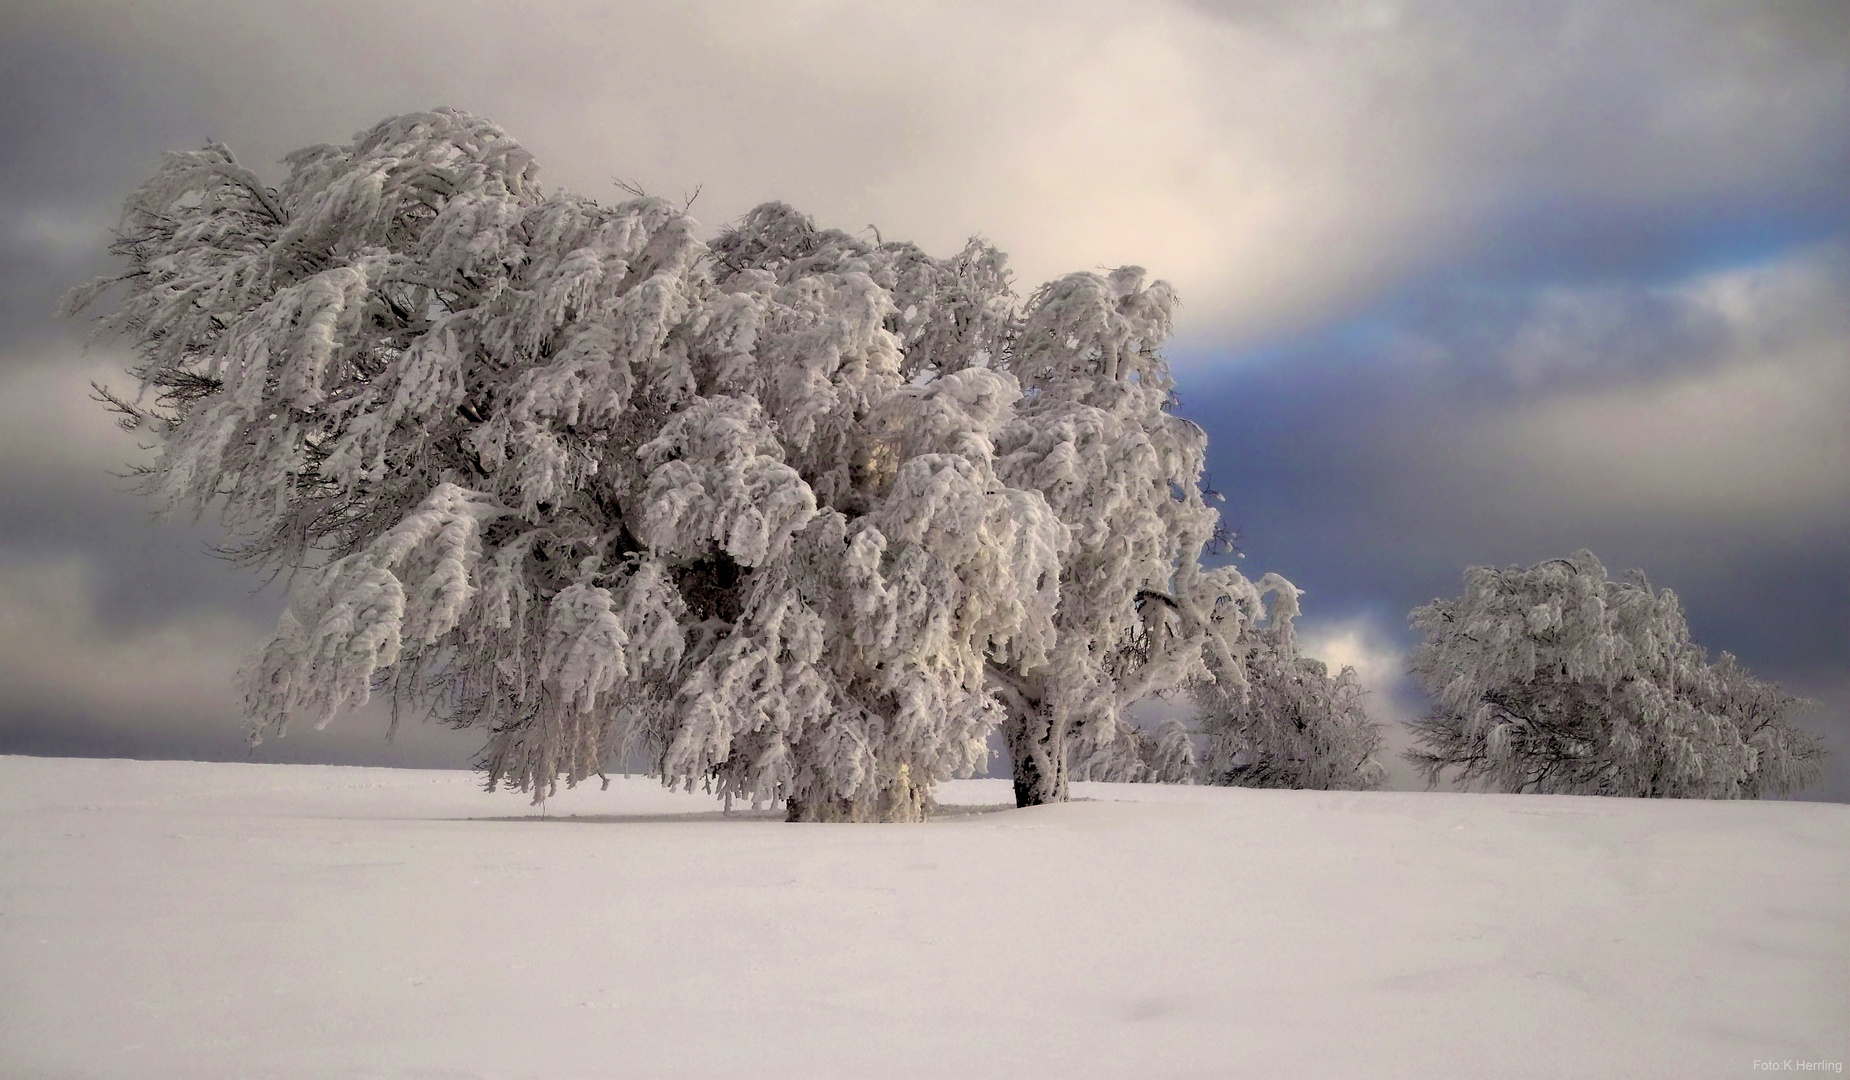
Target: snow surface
180, 919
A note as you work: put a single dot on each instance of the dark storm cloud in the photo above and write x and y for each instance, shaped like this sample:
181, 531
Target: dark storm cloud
78, 123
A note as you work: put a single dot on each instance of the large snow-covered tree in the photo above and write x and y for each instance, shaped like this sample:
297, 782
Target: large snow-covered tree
771, 513
1555, 679
1292, 724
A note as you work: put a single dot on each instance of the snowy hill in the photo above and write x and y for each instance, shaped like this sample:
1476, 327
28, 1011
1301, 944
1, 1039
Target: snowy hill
177, 919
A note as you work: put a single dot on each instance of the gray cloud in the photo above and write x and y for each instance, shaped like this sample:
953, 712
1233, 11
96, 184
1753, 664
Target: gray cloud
1465, 283
1722, 396
1277, 168
160, 687
1693, 431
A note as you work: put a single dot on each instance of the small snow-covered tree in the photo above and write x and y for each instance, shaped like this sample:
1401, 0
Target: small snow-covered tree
1292, 724
1555, 679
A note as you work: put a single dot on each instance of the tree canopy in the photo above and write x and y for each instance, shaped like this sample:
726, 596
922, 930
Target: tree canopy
1555, 679
794, 514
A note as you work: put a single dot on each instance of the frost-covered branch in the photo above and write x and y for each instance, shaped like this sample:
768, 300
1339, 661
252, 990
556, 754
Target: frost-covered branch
1555, 679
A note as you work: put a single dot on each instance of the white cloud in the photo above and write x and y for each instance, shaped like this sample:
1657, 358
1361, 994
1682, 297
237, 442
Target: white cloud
1361, 642
1755, 434
1276, 166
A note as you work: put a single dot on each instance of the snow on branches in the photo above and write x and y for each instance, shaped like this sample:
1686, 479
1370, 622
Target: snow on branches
1138, 614
792, 514
1555, 679
1293, 724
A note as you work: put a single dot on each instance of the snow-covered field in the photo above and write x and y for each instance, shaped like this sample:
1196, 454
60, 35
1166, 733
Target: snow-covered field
176, 919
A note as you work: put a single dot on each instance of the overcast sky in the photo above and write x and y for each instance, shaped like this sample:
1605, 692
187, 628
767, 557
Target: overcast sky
1464, 283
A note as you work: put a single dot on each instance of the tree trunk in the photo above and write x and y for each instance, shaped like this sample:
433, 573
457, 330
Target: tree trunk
1038, 747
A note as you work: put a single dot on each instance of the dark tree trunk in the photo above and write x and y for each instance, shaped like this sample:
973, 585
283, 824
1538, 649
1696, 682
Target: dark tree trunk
1039, 751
